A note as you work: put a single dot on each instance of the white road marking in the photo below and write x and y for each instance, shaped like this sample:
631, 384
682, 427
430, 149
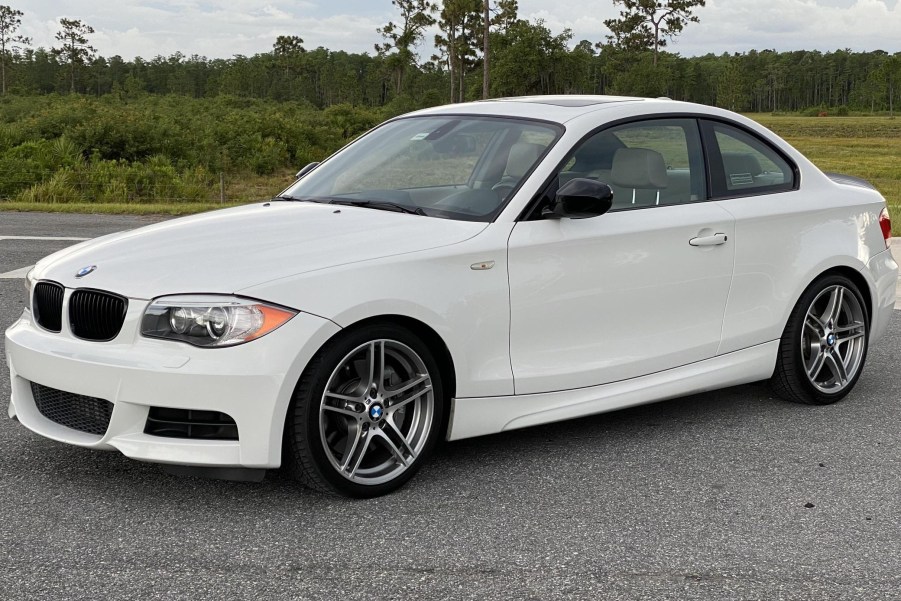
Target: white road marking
52, 238
15, 274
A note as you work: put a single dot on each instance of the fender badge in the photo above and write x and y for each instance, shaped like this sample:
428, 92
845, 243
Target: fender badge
85, 271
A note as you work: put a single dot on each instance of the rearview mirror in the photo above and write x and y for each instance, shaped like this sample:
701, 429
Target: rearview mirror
458, 144
306, 170
580, 198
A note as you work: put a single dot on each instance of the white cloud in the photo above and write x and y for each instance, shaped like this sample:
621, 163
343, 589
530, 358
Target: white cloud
222, 28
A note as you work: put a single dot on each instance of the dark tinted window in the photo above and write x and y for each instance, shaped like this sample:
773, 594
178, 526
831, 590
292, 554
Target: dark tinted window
747, 164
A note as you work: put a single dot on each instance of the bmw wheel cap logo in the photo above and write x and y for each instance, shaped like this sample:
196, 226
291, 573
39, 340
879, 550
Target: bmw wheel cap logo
830, 340
85, 271
375, 412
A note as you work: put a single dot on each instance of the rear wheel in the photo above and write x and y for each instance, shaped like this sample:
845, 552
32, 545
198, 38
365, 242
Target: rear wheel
366, 413
824, 346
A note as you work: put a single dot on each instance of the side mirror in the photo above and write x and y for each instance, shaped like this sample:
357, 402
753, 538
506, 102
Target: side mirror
580, 198
305, 170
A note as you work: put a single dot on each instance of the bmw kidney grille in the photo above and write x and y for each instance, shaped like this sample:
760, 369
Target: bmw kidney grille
48, 305
96, 315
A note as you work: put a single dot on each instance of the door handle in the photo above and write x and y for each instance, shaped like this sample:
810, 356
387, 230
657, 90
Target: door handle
713, 240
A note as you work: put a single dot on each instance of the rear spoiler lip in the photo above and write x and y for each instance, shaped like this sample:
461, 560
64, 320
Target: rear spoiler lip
850, 180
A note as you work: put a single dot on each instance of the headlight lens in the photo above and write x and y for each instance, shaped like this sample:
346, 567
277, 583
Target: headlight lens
212, 321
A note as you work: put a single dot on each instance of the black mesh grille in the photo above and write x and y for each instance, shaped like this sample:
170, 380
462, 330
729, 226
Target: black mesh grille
82, 413
48, 305
190, 423
95, 315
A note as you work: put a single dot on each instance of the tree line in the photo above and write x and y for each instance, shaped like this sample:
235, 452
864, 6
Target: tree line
483, 49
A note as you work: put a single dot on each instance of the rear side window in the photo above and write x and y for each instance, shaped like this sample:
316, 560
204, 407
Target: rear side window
743, 164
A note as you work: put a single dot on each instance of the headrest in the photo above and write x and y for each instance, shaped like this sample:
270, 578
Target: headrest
523, 155
638, 168
741, 162
597, 153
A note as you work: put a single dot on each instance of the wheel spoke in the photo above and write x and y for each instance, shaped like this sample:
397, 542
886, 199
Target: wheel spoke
835, 364
354, 414
344, 397
393, 448
849, 332
376, 365
834, 306
403, 439
398, 404
815, 363
361, 452
345, 405
389, 394
814, 324
354, 434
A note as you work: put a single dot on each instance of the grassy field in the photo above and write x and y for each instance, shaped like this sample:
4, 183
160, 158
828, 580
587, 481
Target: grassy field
867, 147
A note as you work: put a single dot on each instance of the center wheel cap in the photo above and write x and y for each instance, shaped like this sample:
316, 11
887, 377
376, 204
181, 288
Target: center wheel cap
375, 412
830, 339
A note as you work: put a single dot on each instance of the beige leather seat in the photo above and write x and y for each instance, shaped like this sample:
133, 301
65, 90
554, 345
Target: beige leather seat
522, 156
637, 177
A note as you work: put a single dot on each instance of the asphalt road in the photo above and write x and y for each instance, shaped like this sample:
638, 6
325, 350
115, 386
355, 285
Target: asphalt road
705, 497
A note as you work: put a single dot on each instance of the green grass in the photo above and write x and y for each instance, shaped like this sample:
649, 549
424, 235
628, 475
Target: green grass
867, 147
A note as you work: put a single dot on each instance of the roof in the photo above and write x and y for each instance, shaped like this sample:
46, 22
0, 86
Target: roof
558, 108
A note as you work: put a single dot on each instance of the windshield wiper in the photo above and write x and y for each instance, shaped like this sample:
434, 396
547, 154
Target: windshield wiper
383, 205
299, 198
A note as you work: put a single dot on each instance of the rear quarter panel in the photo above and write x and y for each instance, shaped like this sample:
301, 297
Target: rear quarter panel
785, 241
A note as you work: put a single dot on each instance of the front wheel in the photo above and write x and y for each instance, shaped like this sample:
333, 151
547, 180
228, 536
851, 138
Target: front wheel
366, 413
824, 346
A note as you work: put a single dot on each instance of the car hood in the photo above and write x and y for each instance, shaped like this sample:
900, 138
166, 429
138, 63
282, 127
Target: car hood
228, 250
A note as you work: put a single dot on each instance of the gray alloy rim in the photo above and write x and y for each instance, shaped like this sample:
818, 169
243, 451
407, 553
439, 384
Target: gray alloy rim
834, 339
376, 413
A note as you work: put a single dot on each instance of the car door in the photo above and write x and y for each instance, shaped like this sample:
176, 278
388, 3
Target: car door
637, 290
758, 185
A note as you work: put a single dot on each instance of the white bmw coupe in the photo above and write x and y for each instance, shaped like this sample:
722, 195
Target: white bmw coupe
455, 272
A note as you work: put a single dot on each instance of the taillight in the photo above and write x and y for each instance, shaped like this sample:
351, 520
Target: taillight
886, 224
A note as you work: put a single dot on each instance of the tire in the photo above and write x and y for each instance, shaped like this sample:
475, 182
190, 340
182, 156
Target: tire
824, 346
366, 414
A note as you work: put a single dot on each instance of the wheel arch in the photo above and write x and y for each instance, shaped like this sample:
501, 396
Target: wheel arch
863, 285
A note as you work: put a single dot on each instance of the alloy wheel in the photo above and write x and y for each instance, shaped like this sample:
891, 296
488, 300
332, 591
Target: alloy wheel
376, 412
833, 339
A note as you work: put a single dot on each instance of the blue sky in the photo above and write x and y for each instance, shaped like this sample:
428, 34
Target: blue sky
222, 28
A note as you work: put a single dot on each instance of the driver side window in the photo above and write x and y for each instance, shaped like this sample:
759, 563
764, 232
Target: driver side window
646, 164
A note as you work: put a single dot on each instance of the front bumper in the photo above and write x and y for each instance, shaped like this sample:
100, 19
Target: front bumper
253, 383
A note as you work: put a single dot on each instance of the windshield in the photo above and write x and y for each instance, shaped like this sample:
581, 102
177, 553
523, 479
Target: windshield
449, 166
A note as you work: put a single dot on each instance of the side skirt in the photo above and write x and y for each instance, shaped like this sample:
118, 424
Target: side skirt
488, 415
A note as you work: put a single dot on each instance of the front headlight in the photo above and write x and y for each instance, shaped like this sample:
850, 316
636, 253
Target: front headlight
212, 321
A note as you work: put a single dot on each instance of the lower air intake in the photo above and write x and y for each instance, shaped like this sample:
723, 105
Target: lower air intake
82, 413
190, 423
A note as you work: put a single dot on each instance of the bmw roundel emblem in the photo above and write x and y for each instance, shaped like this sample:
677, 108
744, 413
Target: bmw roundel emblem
830, 340
375, 412
85, 271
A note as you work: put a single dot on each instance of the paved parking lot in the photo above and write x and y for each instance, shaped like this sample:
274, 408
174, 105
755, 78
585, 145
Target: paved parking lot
698, 498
